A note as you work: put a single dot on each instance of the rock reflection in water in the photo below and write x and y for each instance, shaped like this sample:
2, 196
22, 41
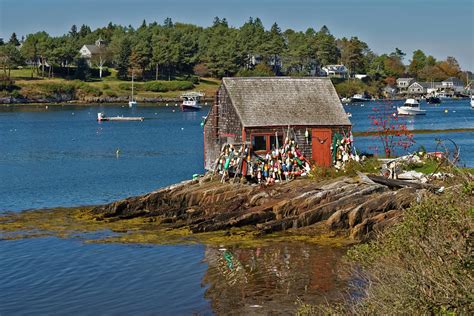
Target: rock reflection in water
270, 279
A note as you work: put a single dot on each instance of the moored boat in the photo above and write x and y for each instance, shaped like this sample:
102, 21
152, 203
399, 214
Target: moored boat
472, 101
411, 107
433, 100
359, 98
132, 102
102, 118
191, 101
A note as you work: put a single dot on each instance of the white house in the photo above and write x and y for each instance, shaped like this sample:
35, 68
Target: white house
419, 87
336, 71
403, 84
89, 51
453, 84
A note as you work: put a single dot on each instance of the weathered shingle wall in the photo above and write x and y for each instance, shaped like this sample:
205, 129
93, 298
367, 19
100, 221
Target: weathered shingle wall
222, 126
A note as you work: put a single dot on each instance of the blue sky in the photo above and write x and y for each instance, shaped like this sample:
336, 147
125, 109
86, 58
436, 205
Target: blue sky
438, 27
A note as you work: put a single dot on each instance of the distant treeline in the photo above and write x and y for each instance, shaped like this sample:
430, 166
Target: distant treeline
165, 50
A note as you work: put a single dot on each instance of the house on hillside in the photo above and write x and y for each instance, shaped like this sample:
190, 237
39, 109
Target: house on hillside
389, 91
453, 85
273, 61
261, 112
403, 84
335, 71
90, 51
419, 87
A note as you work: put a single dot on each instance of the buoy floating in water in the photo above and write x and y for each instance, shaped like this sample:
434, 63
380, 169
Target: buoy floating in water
446, 111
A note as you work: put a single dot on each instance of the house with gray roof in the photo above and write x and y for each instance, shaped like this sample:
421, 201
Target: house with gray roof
403, 84
419, 87
261, 112
89, 51
335, 71
453, 85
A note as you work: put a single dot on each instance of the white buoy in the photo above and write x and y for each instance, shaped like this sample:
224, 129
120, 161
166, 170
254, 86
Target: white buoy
46, 107
166, 104
174, 110
182, 128
176, 104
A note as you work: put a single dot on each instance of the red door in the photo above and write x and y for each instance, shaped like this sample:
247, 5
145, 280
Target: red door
321, 147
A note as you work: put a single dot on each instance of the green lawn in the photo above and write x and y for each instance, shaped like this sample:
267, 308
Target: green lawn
109, 86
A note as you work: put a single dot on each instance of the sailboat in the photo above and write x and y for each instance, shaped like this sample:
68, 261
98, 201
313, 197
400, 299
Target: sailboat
132, 102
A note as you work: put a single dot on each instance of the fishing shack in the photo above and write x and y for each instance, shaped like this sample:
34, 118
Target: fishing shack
261, 113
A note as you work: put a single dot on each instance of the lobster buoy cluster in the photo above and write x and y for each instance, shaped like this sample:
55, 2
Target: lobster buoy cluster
343, 150
284, 163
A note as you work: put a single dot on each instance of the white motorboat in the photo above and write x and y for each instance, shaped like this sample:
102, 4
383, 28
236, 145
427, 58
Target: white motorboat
191, 101
359, 98
411, 107
472, 101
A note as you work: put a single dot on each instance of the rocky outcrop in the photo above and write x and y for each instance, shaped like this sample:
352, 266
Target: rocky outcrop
357, 205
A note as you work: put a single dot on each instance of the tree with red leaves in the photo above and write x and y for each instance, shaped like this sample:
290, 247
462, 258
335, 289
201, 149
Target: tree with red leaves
390, 129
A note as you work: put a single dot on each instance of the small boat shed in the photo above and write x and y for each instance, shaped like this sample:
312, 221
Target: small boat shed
262, 112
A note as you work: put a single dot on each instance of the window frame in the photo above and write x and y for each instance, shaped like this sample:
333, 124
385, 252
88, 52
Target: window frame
267, 141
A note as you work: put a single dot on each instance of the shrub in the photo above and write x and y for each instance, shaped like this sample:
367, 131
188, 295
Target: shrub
164, 86
7, 84
16, 94
105, 86
52, 89
91, 91
110, 93
125, 86
422, 265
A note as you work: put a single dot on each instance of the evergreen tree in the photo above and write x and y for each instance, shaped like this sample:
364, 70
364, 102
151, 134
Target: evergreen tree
73, 32
168, 23
84, 31
141, 54
14, 40
123, 60
82, 71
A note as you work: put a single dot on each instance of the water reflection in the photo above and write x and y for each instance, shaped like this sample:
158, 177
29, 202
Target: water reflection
271, 279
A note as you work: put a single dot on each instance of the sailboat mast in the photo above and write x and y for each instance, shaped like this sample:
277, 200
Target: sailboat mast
132, 86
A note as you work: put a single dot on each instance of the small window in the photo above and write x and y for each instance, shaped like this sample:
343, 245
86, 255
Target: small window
259, 142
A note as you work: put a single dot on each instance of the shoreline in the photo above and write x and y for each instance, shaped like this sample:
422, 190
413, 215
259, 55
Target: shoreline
7, 102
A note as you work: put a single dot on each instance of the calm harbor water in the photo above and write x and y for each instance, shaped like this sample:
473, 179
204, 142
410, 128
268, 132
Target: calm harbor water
62, 157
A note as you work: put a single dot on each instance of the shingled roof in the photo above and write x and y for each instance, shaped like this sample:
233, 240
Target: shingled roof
277, 101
